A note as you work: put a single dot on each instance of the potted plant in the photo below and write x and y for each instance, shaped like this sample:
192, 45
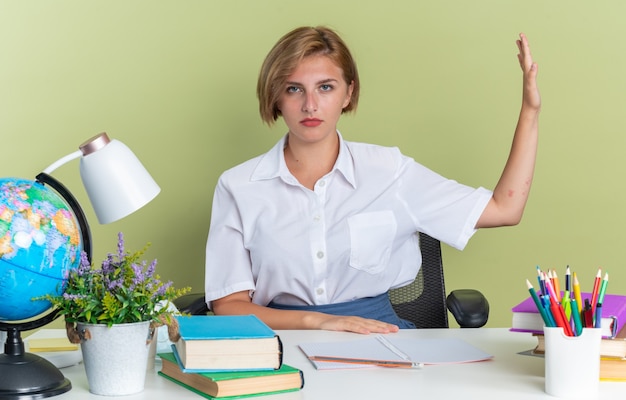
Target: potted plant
112, 311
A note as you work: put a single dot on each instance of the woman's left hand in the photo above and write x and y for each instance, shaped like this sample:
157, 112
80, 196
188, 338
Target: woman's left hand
531, 96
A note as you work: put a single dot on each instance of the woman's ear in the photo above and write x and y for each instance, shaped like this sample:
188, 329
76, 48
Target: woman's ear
349, 94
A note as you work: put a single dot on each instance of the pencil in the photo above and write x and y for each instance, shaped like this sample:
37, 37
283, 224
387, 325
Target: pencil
594, 292
577, 295
542, 310
542, 283
578, 324
597, 323
559, 317
556, 285
366, 361
557, 311
597, 314
539, 280
567, 294
605, 281
549, 286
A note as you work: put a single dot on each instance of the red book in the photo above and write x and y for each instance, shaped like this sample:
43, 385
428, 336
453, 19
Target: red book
526, 317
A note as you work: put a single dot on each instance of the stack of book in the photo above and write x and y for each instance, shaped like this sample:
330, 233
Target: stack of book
226, 356
526, 318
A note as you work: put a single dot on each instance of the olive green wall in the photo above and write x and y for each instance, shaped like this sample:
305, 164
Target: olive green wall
175, 80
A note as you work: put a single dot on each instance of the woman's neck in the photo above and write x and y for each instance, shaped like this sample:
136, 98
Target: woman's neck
308, 162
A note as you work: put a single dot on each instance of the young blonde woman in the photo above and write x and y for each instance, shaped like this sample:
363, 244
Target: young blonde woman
313, 233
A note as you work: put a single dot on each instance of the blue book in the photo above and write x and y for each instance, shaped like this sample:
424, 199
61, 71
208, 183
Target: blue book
210, 343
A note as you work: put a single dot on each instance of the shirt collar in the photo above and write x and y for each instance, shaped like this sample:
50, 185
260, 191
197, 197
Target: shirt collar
272, 164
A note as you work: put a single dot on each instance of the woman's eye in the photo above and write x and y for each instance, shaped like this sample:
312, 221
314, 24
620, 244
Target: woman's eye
326, 88
293, 89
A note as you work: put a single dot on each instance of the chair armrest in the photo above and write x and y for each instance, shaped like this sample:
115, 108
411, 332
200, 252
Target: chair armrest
192, 303
469, 307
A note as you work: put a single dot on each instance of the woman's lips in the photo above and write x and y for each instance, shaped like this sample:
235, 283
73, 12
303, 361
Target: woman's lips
311, 122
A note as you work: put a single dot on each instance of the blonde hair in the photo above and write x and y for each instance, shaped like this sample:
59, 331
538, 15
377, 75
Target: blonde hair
285, 56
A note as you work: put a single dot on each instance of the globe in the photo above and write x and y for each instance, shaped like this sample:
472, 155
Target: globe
40, 241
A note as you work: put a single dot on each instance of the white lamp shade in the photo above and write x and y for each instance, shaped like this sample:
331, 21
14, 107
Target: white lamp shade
116, 182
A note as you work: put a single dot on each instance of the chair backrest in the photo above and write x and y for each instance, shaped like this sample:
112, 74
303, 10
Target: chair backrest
423, 301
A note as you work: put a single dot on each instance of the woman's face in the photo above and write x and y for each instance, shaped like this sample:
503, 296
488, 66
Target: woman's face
313, 98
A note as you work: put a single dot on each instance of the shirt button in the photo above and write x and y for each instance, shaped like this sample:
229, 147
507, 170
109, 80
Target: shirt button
320, 291
320, 254
322, 183
316, 218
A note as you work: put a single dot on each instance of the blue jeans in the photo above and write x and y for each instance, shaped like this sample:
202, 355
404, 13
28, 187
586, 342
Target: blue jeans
378, 308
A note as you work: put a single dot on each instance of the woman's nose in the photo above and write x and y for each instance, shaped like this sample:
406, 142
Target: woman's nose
310, 103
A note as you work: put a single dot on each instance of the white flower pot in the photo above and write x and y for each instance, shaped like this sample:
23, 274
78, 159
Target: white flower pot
115, 358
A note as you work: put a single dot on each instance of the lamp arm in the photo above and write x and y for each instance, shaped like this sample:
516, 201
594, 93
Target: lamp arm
44, 178
62, 161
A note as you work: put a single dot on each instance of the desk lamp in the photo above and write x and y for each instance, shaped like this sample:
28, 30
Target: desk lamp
117, 185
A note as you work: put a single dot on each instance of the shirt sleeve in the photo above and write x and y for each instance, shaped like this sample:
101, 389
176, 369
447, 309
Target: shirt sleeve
442, 208
227, 265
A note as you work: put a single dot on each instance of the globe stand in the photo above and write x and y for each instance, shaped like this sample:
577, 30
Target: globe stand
26, 376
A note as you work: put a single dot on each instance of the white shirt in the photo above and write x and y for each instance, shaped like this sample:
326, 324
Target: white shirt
353, 236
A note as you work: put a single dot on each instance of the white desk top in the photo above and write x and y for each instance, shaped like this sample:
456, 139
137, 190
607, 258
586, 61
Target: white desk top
509, 375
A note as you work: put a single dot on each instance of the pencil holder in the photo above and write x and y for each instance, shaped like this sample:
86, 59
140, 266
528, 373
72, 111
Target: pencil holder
572, 363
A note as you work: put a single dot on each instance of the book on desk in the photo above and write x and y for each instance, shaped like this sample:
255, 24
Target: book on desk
612, 369
211, 343
228, 356
229, 384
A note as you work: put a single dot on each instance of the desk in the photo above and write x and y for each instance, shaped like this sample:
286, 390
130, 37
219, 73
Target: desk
508, 376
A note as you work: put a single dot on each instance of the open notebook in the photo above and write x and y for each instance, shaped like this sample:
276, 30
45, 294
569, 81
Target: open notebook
390, 351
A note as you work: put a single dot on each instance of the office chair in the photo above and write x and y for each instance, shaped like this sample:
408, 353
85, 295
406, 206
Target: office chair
422, 302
